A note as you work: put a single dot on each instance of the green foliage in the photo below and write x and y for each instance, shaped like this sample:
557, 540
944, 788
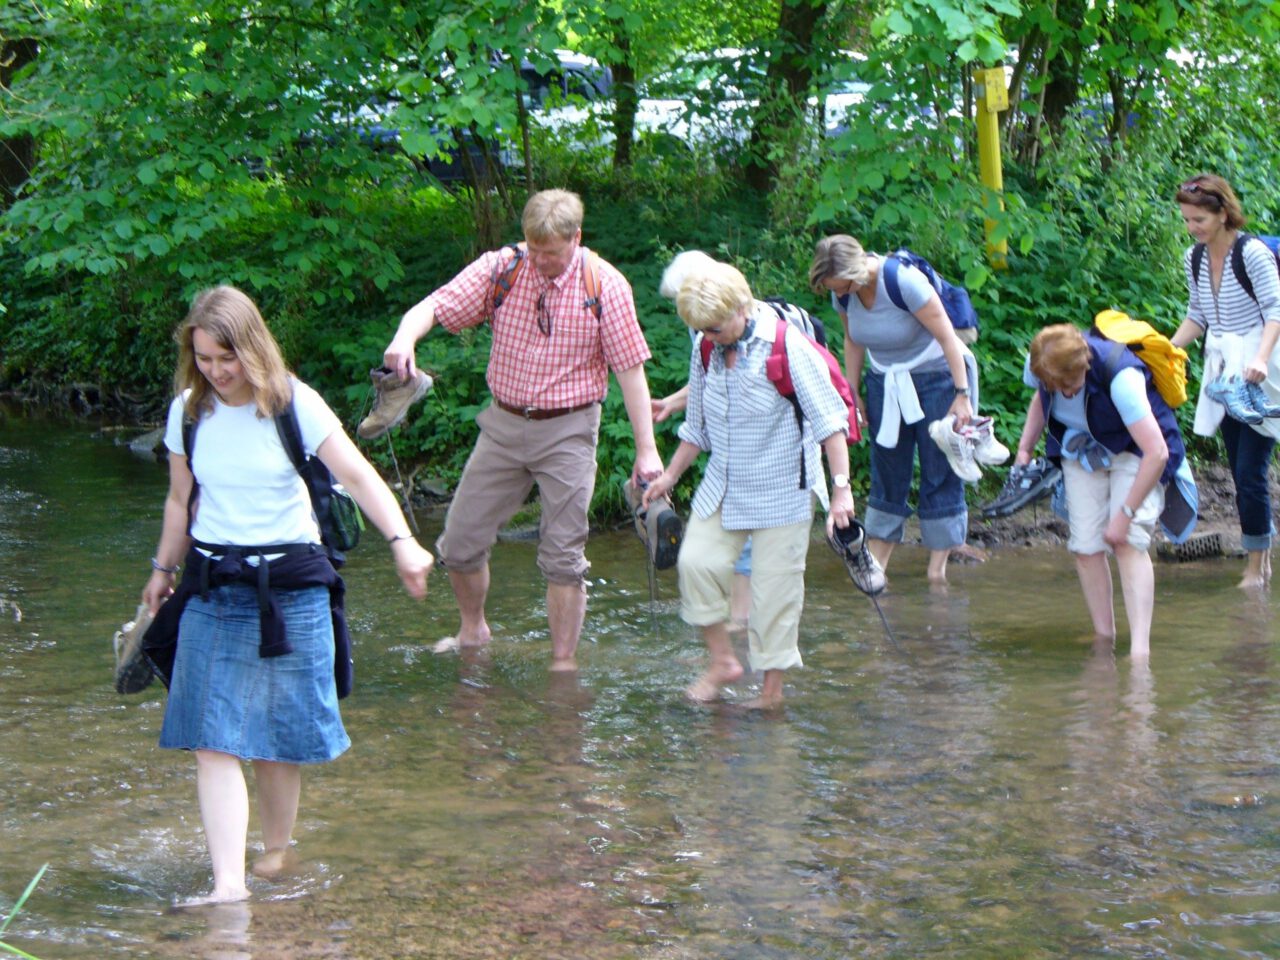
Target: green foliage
157, 176
7, 947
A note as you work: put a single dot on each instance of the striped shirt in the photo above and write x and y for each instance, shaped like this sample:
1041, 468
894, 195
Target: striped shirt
1231, 309
528, 368
753, 473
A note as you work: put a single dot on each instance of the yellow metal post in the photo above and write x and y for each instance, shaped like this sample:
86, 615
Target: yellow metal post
993, 97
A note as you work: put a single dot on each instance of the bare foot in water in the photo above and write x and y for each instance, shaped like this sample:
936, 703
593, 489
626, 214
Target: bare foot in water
274, 862
967, 551
214, 898
706, 689
765, 703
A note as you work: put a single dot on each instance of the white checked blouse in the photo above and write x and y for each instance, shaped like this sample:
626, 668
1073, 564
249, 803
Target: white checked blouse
749, 429
1232, 310
529, 368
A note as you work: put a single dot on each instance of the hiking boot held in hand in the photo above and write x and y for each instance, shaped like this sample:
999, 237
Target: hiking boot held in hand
659, 527
393, 398
850, 545
133, 670
959, 449
1025, 485
1233, 394
1258, 400
986, 448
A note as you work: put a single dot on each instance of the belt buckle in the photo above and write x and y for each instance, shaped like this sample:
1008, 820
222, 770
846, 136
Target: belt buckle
528, 412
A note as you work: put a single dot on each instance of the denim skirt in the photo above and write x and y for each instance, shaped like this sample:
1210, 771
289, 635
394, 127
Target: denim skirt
225, 697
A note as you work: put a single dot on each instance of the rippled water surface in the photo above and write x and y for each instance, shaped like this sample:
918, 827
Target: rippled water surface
992, 786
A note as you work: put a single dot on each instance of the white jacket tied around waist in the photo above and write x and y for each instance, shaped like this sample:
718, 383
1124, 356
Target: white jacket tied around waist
901, 403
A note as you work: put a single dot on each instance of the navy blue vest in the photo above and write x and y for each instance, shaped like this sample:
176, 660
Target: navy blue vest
1105, 426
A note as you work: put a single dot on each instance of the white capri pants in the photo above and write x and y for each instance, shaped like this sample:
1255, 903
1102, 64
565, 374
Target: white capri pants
1094, 498
778, 556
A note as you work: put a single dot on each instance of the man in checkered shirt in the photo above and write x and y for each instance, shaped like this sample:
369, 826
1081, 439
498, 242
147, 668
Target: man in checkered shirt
548, 373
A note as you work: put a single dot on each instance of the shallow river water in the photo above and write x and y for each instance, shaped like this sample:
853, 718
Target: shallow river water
992, 786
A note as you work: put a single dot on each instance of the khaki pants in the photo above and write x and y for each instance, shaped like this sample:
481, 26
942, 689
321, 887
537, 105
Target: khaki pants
778, 556
513, 454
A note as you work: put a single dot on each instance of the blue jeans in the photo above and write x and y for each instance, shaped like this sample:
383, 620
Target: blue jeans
1249, 454
944, 518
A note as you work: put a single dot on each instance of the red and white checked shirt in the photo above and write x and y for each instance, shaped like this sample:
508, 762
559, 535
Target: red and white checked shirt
527, 368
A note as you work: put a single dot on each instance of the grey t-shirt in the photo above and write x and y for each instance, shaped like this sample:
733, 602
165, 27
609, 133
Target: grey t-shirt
892, 336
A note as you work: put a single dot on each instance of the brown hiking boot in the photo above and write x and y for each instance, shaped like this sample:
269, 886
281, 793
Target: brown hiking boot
659, 527
394, 398
133, 670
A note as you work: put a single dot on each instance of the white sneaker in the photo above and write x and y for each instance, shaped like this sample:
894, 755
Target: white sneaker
986, 448
958, 448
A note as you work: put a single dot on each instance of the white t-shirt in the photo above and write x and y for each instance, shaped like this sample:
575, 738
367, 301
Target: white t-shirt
250, 491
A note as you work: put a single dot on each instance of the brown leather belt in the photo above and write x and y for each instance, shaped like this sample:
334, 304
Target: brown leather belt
533, 413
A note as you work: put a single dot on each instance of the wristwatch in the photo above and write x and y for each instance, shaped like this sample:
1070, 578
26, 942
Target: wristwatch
962, 391
840, 480
1127, 510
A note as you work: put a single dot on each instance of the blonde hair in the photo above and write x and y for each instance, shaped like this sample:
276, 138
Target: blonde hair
679, 270
552, 214
838, 257
713, 296
233, 321
1059, 356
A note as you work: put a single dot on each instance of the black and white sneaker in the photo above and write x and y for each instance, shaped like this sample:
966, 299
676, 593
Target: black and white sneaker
850, 545
1025, 485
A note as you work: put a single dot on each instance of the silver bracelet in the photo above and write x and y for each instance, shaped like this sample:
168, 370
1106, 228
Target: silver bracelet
157, 565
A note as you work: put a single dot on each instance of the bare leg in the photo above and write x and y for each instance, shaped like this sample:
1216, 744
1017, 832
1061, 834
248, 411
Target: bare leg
279, 787
224, 810
566, 609
770, 692
740, 603
937, 572
1257, 570
470, 589
882, 550
1138, 584
724, 667
1095, 581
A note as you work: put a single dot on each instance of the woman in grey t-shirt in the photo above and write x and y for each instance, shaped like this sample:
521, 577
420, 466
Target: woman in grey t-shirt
918, 375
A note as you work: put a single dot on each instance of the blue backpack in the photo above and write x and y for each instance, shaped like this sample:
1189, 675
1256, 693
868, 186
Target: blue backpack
1237, 260
955, 300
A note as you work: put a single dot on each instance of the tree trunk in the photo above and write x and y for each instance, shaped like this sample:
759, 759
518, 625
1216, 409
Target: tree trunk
17, 154
787, 83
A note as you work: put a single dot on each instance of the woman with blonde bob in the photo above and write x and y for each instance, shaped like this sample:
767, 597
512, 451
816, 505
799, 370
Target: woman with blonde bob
1118, 443
921, 392
259, 607
761, 479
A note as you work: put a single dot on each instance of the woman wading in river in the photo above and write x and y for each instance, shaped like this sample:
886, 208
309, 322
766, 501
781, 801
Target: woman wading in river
259, 602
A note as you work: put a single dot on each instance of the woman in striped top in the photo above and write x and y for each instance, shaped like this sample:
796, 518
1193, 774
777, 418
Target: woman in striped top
1242, 328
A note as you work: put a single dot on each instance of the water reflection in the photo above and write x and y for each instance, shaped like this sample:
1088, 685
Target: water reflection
989, 786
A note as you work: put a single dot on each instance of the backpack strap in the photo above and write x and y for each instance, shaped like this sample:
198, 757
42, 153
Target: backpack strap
591, 281
291, 437
891, 284
504, 275
1197, 258
315, 475
778, 369
188, 447
1237, 265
